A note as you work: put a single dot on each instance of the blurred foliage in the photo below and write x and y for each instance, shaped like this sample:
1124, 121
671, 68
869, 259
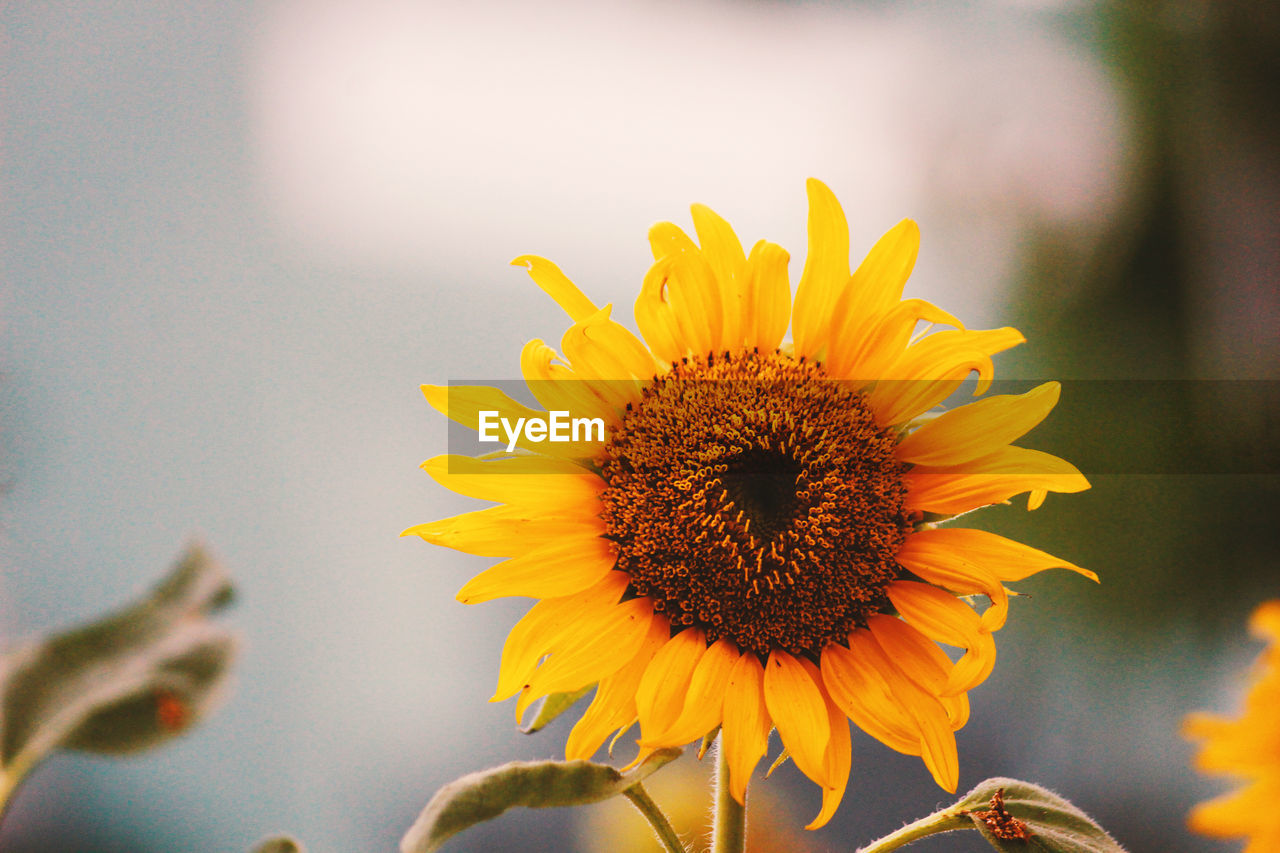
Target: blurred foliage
1182, 529
129, 682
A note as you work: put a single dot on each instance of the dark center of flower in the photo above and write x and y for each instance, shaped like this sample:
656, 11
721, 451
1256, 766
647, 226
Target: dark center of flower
754, 498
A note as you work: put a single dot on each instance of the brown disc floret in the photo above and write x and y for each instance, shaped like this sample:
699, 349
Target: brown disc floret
753, 497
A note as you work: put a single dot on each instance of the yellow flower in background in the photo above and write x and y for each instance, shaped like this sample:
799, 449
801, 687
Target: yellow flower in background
1247, 748
750, 542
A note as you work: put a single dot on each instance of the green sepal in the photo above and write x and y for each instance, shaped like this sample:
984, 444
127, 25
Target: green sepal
551, 706
122, 684
708, 740
482, 796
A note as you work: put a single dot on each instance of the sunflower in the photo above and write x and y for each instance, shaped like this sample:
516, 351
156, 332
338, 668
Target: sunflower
753, 542
1248, 748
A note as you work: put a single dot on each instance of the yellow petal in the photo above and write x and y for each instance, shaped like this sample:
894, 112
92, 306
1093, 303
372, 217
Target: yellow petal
933, 562
796, 704
547, 625
871, 298
915, 654
667, 239
557, 387
921, 661
989, 479
1232, 815
614, 705
838, 757
704, 703
862, 693
1008, 560
1264, 623
878, 281
929, 719
825, 274
655, 315
863, 347
599, 348
557, 285
723, 251
538, 480
560, 569
507, 531
691, 289
660, 696
943, 617
744, 734
937, 614
463, 403
768, 297
695, 297
978, 429
600, 649
930, 370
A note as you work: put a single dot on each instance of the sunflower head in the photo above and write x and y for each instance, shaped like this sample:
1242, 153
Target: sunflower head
751, 541
1247, 748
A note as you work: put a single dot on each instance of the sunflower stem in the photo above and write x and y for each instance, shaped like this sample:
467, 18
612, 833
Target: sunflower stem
935, 823
729, 832
640, 798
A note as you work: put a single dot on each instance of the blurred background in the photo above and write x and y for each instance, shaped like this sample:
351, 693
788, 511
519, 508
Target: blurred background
237, 236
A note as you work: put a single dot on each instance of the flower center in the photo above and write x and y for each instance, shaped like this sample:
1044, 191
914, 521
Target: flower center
754, 498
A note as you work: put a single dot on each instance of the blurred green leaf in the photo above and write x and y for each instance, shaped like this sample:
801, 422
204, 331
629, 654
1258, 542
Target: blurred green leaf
550, 707
279, 844
128, 682
1021, 816
482, 796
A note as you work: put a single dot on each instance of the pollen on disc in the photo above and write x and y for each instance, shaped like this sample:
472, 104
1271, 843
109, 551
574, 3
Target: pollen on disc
756, 498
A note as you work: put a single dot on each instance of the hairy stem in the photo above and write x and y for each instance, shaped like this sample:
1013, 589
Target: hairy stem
640, 798
931, 825
729, 833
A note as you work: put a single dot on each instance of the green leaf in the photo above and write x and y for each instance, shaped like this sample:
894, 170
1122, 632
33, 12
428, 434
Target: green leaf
125, 683
1003, 809
483, 796
1014, 817
552, 706
279, 844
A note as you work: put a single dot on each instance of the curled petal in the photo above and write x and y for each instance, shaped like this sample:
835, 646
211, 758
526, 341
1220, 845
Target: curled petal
943, 617
556, 386
557, 285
